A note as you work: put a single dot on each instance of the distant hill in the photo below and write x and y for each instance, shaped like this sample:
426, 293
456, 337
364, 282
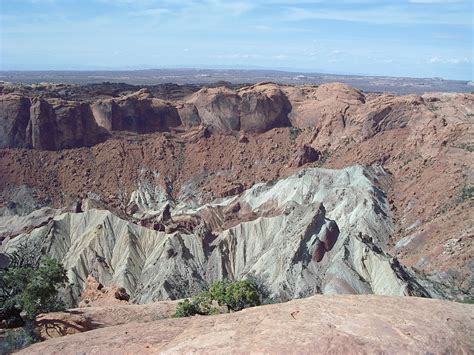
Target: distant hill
396, 85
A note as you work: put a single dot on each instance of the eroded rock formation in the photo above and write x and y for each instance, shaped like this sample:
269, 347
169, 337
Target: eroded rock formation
206, 149
138, 112
47, 124
273, 232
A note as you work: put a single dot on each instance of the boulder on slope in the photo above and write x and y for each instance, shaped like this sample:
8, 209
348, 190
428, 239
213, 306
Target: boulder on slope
95, 294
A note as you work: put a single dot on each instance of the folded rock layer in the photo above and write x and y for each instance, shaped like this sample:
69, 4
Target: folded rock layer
318, 231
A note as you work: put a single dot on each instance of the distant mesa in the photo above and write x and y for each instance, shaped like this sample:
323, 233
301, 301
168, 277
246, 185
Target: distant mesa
54, 117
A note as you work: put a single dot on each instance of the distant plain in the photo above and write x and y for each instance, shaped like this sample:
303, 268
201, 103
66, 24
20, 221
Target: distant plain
397, 85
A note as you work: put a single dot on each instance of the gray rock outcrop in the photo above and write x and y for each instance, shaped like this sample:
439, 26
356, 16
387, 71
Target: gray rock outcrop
297, 236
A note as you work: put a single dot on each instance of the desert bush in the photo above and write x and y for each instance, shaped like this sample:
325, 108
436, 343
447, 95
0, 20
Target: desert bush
186, 308
205, 304
29, 286
467, 300
467, 193
325, 155
294, 133
466, 146
235, 295
16, 339
201, 304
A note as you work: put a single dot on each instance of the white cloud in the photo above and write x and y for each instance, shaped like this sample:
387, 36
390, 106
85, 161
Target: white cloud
384, 14
438, 60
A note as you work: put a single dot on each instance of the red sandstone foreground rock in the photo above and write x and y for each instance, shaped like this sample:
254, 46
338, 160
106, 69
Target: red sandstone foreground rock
79, 320
316, 325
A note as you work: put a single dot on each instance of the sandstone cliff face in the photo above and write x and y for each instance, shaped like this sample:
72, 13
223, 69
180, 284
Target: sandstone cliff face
297, 237
336, 112
218, 108
188, 114
54, 124
46, 125
14, 118
326, 107
105, 113
257, 108
263, 107
42, 128
138, 112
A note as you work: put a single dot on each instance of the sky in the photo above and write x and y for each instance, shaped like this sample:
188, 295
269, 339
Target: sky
414, 38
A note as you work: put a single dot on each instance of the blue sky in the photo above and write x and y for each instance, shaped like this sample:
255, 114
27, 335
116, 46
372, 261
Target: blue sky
417, 38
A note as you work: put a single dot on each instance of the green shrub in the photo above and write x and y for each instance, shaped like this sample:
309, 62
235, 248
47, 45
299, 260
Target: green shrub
235, 296
294, 133
201, 304
204, 304
325, 155
465, 146
16, 339
467, 193
29, 286
186, 308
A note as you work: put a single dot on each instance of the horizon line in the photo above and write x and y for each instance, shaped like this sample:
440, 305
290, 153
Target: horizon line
198, 68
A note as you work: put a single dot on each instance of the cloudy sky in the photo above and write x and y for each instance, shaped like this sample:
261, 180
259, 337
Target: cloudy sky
417, 38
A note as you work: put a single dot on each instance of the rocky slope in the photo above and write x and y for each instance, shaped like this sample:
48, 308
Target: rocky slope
215, 182
85, 319
319, 231
316, 325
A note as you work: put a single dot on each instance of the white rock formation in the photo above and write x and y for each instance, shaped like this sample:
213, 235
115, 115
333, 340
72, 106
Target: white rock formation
319, 231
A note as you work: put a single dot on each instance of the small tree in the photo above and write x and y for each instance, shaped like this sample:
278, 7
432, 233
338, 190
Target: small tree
234, 295
30, 286
186, 308
201, 304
